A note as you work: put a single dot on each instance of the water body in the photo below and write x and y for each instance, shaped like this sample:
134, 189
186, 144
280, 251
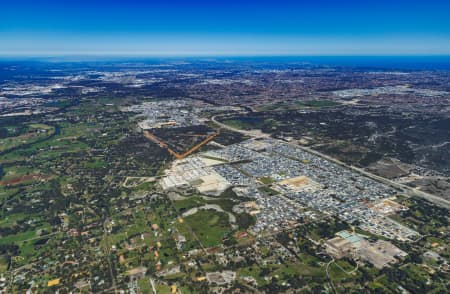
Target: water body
439, 62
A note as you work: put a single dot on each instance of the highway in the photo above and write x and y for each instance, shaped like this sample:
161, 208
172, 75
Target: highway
409, 191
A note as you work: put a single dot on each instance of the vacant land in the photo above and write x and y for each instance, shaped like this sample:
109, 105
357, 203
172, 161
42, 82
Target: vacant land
210, 226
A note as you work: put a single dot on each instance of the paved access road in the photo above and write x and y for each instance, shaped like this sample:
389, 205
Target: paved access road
409, 191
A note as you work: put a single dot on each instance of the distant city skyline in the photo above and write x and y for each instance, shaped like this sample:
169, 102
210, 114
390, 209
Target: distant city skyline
182, 28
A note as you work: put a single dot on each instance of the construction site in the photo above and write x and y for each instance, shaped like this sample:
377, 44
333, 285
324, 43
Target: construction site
183, 140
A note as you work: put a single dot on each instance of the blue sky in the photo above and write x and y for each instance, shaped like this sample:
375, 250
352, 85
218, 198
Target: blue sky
172, 27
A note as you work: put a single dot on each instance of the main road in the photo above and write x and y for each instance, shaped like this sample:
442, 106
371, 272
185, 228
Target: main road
409, 191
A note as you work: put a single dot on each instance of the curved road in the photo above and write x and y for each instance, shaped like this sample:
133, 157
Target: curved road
253, 133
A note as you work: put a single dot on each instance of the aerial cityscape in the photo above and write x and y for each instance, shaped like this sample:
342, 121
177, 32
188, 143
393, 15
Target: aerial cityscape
157, 177
170, 148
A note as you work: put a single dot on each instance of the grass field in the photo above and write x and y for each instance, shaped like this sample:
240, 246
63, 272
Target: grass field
210, 226
11, 220
98, 163
6, 193
245, 123
298, 105
147, 186
3, 264
188, 203
281, 270
16, 171
17, 238
267, 180
317, 103
197, 201
32, 135
144, 285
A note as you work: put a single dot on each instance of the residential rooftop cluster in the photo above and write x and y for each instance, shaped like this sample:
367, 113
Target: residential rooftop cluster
388, 90
281, 174
173, 113
184, 202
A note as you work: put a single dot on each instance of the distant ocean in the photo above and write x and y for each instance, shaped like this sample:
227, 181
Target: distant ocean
376, 62
441, 62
